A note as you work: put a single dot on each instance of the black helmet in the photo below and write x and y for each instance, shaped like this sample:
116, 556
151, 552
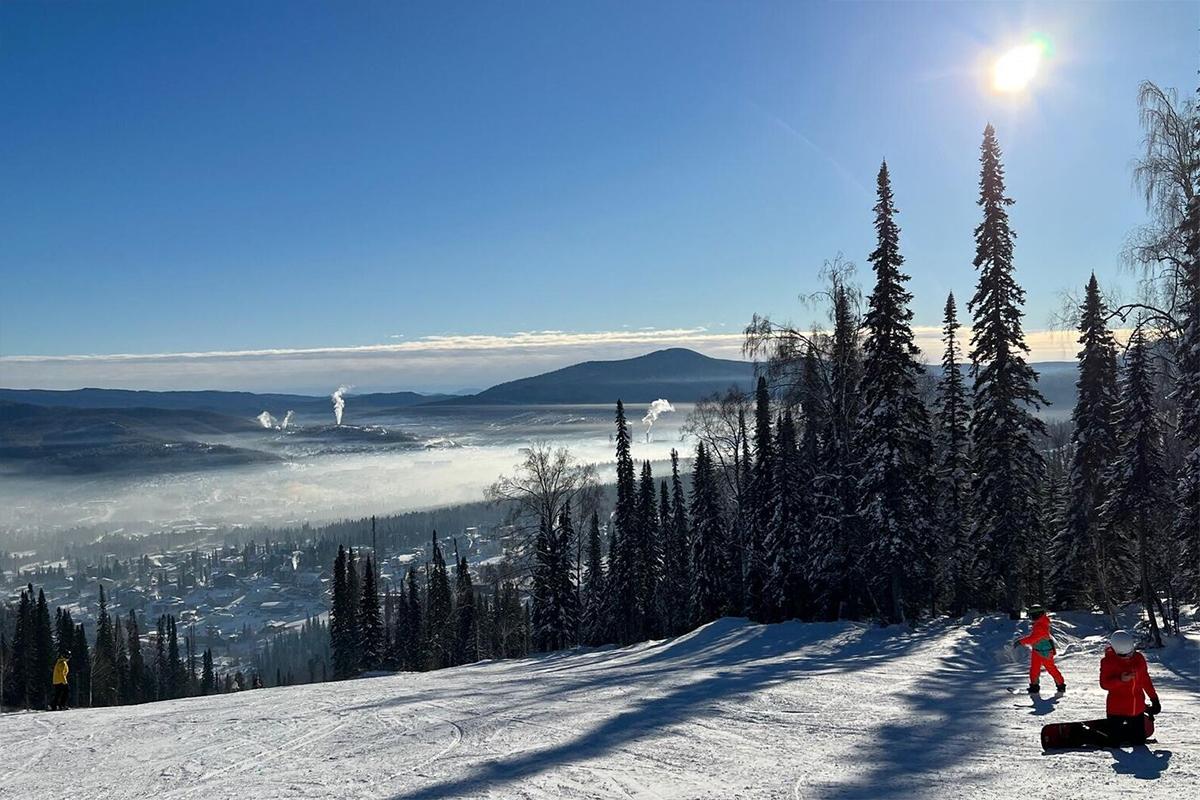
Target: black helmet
1036, 611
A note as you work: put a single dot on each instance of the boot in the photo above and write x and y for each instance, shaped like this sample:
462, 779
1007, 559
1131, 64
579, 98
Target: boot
1034, 688
1061, 687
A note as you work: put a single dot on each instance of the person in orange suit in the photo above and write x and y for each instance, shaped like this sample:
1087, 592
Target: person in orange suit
1042, 650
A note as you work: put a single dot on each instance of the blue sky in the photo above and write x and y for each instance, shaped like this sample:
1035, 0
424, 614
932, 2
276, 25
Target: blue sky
269, 177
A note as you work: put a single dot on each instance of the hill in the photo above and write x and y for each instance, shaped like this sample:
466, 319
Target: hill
820, 710
677, 374
244, 404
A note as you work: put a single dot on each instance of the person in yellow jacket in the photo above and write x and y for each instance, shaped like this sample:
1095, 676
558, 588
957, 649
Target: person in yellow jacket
61, 670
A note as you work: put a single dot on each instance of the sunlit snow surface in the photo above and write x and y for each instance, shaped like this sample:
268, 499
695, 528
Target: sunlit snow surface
374, 464
731, 711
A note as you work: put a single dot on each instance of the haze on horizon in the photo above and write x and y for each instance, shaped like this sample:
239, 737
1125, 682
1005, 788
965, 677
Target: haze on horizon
284, 197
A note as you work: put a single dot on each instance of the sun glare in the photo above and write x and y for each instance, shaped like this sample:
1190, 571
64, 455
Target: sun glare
1015, 69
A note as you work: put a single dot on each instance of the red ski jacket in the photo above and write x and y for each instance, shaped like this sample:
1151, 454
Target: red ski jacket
1126, 698
1039, 638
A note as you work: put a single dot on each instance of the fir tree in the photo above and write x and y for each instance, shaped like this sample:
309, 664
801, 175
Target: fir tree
788, 592
136, 692
162, 666
341, 644
1187, 383
761, 517
593, 627
647, 555
439, 631
1005, 395
894, 427
836, 539
677, 568
208, 682
353, 592
104, 677
465, 615
1083, 558
710, 599
175, 680
1137, 496
21, 669
414, 645
953, 472
623, 583
370, 651
80, 686
43, 653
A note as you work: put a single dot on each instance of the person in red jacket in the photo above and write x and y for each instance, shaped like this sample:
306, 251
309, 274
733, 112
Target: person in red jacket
1042, 651
1124, 676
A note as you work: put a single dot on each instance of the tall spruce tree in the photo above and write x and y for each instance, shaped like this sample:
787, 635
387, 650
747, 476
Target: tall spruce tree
647, 556
439, 614
623, 575
104, 675
342, 646
79, 688
1187, 383
677, 569
1083, 557
837, 538
710, 552
761, 501
1137, 499
21, 670
415, 652
208, 682
894, 427
1005, 395
43, 653
370, 622
952, 569
593, 623
466, 616
787, 552
137, 665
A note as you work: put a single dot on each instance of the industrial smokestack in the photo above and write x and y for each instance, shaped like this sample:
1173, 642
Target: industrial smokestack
657, 409
339, 403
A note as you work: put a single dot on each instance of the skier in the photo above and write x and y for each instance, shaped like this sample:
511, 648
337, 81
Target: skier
61, 669
1041, 652
1124, 676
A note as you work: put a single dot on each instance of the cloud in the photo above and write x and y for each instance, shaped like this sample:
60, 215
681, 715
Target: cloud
443, 362
431, 363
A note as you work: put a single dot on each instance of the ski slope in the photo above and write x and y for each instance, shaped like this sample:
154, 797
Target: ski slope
733, 710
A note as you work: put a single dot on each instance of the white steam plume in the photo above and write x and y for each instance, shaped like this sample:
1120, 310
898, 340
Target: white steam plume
657, 409
339, 403
266, 420
287, 419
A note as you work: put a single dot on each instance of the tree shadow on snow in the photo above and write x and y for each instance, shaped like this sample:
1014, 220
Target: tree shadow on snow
740, 661
1141, 762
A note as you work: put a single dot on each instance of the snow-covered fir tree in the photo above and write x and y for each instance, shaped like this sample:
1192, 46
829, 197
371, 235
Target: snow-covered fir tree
710, 593
894, 431
955, 554
1003, 428
1083, 558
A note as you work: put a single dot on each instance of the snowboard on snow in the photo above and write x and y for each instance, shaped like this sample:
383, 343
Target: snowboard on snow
1092, 733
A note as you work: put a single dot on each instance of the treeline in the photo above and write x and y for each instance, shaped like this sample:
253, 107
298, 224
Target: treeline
433, 622
114, 669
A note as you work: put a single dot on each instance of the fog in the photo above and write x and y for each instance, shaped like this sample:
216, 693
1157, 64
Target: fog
388, 462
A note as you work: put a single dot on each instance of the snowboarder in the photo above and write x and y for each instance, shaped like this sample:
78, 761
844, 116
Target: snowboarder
1042, 651
1124, 676
61, 669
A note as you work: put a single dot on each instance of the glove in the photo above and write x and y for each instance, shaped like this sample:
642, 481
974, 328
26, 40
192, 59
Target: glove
1155, 707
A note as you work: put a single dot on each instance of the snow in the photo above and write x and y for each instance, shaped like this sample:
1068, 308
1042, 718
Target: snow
733, 710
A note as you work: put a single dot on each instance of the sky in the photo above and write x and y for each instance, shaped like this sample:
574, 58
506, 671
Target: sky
292, 196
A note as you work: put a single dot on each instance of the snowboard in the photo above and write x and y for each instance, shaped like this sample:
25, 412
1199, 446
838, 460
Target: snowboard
1093, 733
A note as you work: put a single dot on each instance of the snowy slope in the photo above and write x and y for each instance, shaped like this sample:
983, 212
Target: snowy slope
732, 710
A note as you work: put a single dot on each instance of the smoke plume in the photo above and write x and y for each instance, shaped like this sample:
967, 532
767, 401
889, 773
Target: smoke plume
657, 409
339, 403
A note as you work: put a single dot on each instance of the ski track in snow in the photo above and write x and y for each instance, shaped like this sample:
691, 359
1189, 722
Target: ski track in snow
823, 711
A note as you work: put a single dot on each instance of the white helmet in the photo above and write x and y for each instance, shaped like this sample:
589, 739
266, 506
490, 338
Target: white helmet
1122, 643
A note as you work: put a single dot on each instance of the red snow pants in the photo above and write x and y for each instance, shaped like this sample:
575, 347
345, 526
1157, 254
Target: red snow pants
1037, 661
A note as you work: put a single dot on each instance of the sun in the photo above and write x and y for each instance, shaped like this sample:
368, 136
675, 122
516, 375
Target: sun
1014, 70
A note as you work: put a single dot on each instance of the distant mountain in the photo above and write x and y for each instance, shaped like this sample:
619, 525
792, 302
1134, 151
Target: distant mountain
243, 404
677, 374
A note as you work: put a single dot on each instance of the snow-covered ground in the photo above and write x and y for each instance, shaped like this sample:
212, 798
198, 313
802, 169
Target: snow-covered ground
732, 710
